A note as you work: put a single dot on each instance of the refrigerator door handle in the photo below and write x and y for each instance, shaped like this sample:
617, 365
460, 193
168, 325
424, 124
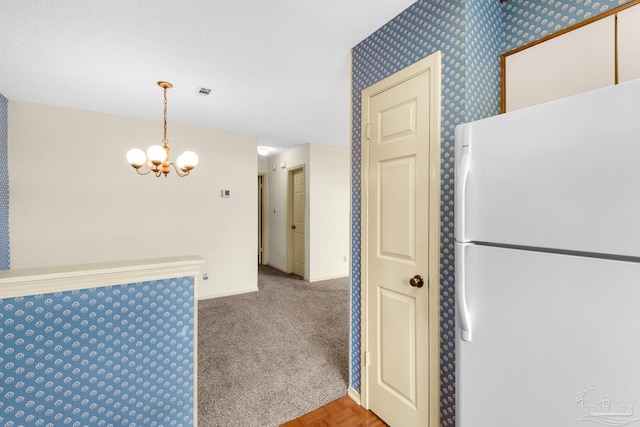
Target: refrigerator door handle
461, 174
461, 286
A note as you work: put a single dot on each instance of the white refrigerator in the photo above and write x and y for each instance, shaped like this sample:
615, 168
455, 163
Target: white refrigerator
547, 268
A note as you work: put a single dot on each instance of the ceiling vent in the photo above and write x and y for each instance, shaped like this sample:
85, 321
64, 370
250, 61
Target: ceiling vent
204, 91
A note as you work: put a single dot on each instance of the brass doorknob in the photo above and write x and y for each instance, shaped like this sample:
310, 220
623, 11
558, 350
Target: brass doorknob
416, 281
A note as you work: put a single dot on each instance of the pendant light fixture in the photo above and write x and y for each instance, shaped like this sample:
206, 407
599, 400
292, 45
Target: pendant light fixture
157, 159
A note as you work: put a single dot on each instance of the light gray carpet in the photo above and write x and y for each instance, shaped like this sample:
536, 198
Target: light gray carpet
270, 356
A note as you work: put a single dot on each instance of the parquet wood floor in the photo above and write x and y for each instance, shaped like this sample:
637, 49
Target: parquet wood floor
343, 412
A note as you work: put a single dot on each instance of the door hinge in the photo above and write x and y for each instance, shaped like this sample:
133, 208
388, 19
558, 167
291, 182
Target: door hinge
368, 131
366, 359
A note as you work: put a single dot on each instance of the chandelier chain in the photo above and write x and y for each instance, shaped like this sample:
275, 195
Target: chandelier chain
164, 140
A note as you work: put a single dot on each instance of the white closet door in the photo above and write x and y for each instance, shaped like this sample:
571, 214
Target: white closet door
629, 44
576, 62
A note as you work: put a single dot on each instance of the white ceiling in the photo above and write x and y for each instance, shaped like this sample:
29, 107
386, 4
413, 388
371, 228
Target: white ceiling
278, 68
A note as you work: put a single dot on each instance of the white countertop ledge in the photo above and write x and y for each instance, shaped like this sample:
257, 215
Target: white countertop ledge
34, 281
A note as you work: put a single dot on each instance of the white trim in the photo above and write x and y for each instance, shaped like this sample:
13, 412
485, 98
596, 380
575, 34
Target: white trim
34, 281
354, 395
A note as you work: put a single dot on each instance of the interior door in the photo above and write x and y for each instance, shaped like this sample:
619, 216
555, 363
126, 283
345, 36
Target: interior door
260, 219
401, 122
298, 198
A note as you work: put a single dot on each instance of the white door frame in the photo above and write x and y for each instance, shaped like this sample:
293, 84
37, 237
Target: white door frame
432, 63
290, 232
262, 216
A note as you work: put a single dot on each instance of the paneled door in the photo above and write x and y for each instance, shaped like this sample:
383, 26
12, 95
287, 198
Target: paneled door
297, 216
401, 245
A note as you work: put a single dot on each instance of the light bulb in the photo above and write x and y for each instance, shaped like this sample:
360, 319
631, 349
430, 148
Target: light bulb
157, 154
136, 157
187, 160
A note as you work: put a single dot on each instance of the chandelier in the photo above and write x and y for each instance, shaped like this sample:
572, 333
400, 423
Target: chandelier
157, 159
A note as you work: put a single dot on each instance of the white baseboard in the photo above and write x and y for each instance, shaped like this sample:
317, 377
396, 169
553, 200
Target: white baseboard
354, 395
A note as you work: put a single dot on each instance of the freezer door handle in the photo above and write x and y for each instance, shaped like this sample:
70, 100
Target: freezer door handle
461, 297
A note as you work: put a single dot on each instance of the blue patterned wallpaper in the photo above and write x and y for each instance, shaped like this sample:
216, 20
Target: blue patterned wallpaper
4, 185
115, 355
470, 90
482, 50
471, 34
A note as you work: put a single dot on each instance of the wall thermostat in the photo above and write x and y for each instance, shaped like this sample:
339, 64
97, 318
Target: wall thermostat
225, 193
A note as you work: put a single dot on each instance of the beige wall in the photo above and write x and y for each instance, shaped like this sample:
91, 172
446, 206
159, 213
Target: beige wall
327, 188
74, 198
330, 211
